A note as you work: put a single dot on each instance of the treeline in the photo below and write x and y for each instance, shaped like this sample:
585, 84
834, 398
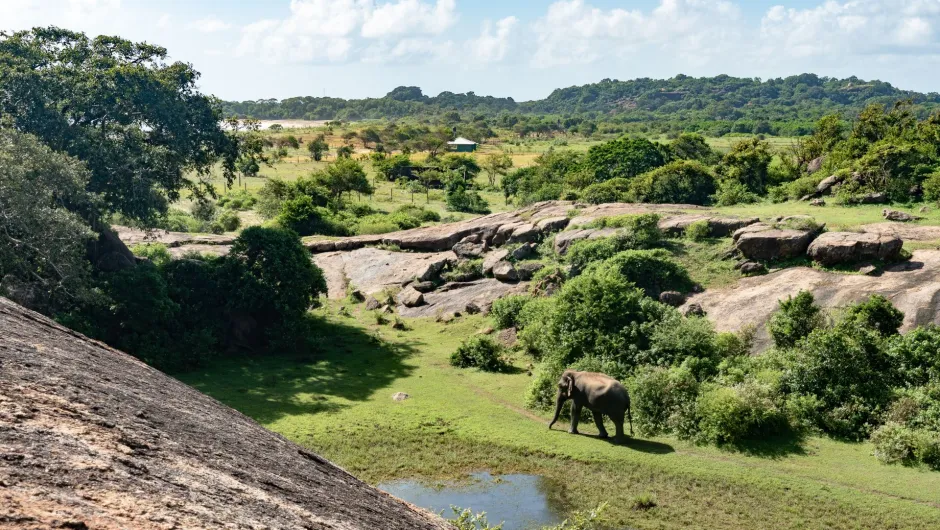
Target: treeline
714, 105
886, 154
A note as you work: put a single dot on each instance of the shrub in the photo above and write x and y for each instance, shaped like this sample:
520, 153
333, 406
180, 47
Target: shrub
180, 221
301, 215
229, 221
613, 190
931, 187
682, 181
481, 352
505, 311
732, 415
464, 271
894, 444
533, 322
927, 448
204, 210
423, 214
795, 318
733, 192
914, 355
661, 398
654, 271
157, 253
876, 313
677, 339
698, 231
237, 200
376, 224
640, 232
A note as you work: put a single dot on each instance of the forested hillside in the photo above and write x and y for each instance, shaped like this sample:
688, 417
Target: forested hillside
717, 105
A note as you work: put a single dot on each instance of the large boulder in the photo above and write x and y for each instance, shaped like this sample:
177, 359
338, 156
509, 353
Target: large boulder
826, 184
833, 248
372, 270
109, 253
717, 226
492, 258
527, 269
526, 233
505, 272
902, 217
409, 297
815, 164
469, 249
766, 243
524, 251
553, 224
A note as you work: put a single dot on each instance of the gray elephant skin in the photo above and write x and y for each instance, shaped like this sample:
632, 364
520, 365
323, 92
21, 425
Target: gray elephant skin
601, 394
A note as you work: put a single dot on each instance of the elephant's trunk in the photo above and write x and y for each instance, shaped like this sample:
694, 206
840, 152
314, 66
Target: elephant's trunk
559, 401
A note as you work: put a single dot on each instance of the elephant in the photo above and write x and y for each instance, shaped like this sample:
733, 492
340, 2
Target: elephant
600, 393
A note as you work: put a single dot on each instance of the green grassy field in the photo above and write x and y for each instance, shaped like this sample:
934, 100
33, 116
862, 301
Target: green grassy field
456, 421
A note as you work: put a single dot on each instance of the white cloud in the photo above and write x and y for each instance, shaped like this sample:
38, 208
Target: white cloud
492, 47
573, 32
850, 28
209, 25
318, 30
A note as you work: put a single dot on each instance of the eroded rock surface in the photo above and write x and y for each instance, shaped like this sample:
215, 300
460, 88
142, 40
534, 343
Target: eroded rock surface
833, 248
92, 438
912, 286
454, 298
765, 242
371, 269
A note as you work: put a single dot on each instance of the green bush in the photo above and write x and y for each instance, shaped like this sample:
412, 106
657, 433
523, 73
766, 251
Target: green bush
654, 271
678, 339
237, 200
613, 190
422, 214
795, 318
157, 253
698, 231
876, 313
180, 221
914, 355
732, 415
505, 311
894, 444
204, 210
480, 352
229, 221
931, 187
663, 399
464, 271
679, 182
303, 216
639, 233
533, 322
732, 192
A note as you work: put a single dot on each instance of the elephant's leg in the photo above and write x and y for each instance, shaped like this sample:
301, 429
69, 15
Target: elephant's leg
618, 423
599, 421
575, 416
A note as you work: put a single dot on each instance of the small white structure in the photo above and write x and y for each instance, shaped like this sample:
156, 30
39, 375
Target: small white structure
462, 145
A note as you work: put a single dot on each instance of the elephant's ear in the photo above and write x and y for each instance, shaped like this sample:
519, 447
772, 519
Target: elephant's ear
570, 384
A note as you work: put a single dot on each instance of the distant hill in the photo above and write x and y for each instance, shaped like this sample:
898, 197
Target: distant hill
799, 98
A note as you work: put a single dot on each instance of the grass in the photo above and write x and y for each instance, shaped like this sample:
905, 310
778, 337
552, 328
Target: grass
461, 420
836, 217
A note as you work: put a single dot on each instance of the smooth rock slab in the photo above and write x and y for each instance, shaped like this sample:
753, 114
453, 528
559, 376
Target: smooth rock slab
766, 243
833, 248
444, 302
371, 270
505, 271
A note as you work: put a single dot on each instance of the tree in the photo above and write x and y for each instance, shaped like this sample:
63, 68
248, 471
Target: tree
370, 135
317, 147
682, 181
748, 163
344, 151
624, 158
138, 123
343, 176
42, 238
692, 146
496, 164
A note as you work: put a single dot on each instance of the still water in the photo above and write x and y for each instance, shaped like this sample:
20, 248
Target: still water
521, 502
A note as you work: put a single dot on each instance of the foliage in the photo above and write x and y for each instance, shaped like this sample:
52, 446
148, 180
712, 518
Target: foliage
748, 164
914, 355
876, 313
795, 318
624, 158
679, 182
344, 175
480, 352
698, 231
157, 253
613, 190
317, 147
237, 200
731, 192
505, 311
654, 271
204, 210
461, 197
638, 233
42, 238
464, 271
89, 98
732, 415
228, 221
467, 520
663, 399
303, 216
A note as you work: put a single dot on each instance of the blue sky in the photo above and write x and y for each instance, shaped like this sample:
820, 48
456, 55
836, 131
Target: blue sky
254, 49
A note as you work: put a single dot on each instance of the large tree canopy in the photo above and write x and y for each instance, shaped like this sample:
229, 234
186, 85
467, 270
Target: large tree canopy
138, 123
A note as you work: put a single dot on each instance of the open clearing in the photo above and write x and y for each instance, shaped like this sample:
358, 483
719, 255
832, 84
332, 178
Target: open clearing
460, 421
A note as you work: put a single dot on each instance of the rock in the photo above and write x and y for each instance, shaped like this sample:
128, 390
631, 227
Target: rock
564, 240
833, 248
766, 243
486, 331
717, 226
476, 307
504, 271
826, 184
553, 224
447, 318
694, 310
817, 202
672, 298
524, 251
469, 250
872, 198
526, 233
507, 337
373, 270
410, 298
867, 269
815, 164
902, 217
455, 300
94, 438
400, 396
357, 296
912, 286
923, 209
750, 267
503, 233
492, 258
528, 269
372, 304
386, 309
549, 284
423, 287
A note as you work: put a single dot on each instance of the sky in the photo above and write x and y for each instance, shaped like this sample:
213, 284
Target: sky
260, 49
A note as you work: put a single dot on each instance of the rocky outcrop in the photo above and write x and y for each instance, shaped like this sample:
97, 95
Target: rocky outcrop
371, 270
109, 253
564, 240
834, 248
134, 236
905, 232
454, 297
92, 438
902, 217
912, 286
409, 297
765, 242
527, 269
505, 271
815, 164
492, 258
826, 184
717, 226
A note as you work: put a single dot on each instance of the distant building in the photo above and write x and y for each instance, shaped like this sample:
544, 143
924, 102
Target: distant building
462, 145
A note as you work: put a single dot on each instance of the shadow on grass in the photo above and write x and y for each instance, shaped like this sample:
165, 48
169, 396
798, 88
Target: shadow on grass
773, 447
645, 446
351, 365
